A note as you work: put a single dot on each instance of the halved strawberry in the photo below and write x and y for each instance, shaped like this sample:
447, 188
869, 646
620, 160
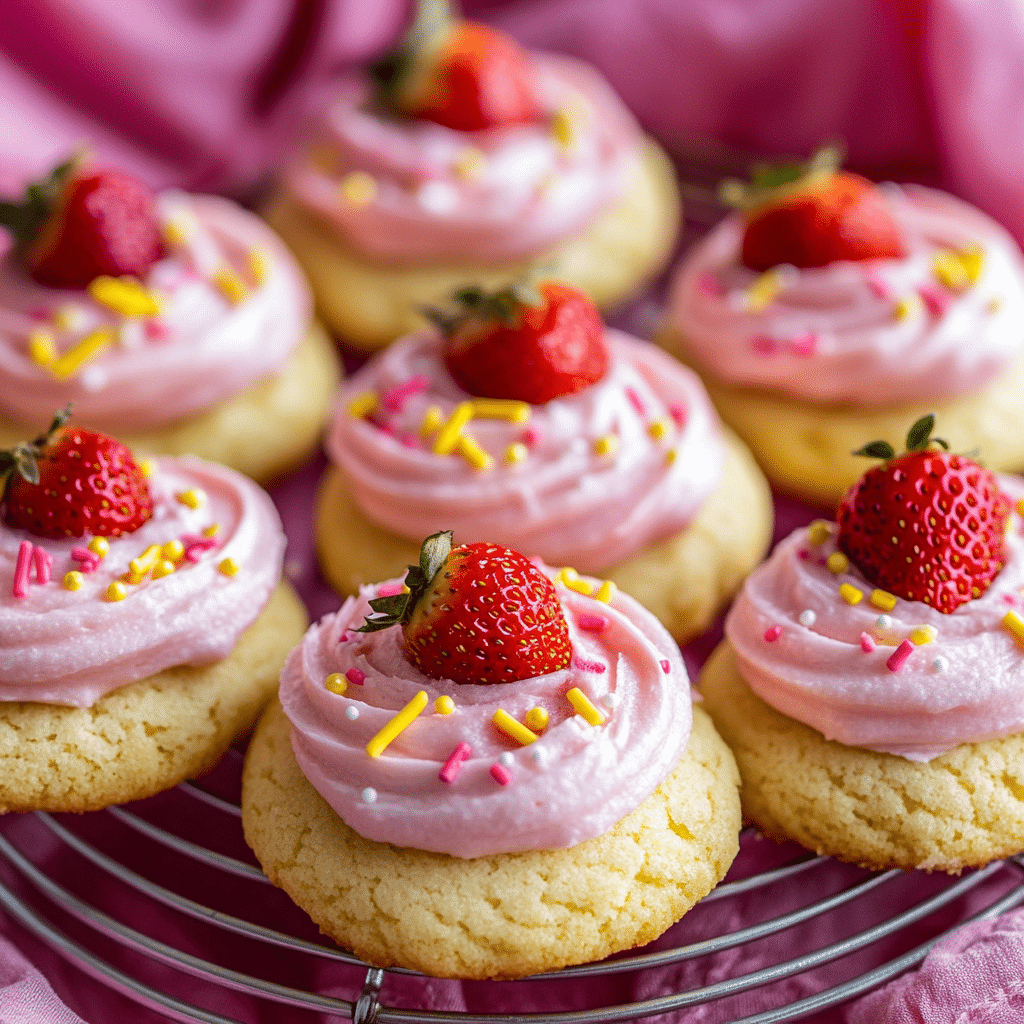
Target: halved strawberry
70, 481
479, 613
810, 215
523, 344
77, 225
925, 525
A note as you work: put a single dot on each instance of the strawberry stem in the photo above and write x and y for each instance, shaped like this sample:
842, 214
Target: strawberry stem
474, 302
25, 219
918, 439
770, 183
23, 457
430, 20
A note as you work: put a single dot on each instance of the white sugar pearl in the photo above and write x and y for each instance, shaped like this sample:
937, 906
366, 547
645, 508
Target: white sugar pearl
506, 758
538, 755
610, 700
940, 664
884, 622
369, 795
437, 197
807, 617
351, 713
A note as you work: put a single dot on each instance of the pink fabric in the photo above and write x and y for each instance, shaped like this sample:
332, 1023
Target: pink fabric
25, 995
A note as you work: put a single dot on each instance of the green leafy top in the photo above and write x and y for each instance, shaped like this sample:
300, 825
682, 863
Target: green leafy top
23, 457
770, 183
25, 219
918, 439
475, 303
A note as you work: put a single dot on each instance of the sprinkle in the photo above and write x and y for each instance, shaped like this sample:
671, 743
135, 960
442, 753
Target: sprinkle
850, 594
666, 666
562, 127
772, 633
400, 721
951, 268
437, 197
351, 713
99, 546
501, 774
175, 233
455, 761
659, 428
259, 264
162, 568
444, 705
678, 413
146, 467
212, 530
73, 580
883, 622
607, 445
89, 559
539, 756
565, 574
124, 295
193, 497
582, 706
763, 291
899, 656
878, 285
1020, 506
41, 348
837, 562
867, 643
593, 623
21, 569
117, 591
469, 163
363, 405
532, 437
671, 455
336, 683
369, 795
357, 189
42, 560
448, 435
935, 299
432, 420
537, 719
708, 284
230, 285
68, 317
513, 729
355, 675
506, 758
390, 589
635, 400
1015, 624
228, 566
940, 664
64, 366
138, 567
610, 700
605, 592
173, 550
515, 453
583, 665
805, 344
471, 451
923, 635
583, 587
502, 409
906, 307
395, 398
807, 617
973, 263
883, 599
764, 344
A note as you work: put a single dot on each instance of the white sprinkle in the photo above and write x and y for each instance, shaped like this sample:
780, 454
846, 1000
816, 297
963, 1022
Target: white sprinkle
506, 758
940, 664
351, 713
884, 622
538, 755
93, 378
437, 197
610, 700
807, 617
132, 333
369, 795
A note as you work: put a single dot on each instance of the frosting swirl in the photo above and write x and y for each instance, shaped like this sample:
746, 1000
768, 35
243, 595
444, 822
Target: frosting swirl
871, 332
61, 646
232, 306
600, 473
964, 686
494, 195
571, 784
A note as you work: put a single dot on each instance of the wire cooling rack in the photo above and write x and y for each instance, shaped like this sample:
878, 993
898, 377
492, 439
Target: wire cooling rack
161, 902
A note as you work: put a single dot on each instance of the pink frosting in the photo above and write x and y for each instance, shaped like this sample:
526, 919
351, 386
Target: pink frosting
833, 334
530, 192
965, 686
201, 347
61, 646
564, 501
575, 782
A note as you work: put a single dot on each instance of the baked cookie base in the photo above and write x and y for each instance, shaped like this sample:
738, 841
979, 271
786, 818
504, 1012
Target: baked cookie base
880, 811
147, 736
806, 450
264, 431
685, 580
368, 304
502, 916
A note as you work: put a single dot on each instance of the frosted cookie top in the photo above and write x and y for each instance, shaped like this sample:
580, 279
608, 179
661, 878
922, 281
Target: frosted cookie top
224, 308
585, 770
819, 643
177, 591
942, 321
586, 479
409, 191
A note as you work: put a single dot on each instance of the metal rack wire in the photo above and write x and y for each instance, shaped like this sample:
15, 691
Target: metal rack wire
96, 890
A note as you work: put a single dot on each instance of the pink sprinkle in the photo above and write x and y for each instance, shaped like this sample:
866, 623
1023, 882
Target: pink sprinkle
867, 643
899, 656
764, 344
89, 560
803, 554
21, 569
877, 284
389, 589
344, 638
635, 400
772, 633
195, 545
397, 396
936, 299
709, 284
501, 774
587, 666
595, 623
455, 761
410, 441
355, 675
1009, 599
42, 560
385, 428
805, 344
678, 412
156, 330
531, 437
666, 666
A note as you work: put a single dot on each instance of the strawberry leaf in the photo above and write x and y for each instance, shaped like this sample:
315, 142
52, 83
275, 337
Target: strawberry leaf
877, 450
920, 433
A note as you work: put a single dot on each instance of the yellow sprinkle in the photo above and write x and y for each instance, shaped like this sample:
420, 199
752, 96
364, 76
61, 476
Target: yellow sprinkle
67, 317
671, 455
469, 163
259, 265
468, 448
363, 405
515, 452
761, 293
336, 683
173, 550
921, 635
580, 586
659, 428
212, 530
850, 594
124, 295
41, 348
883, 599
444, 705
162, 568
958, 270
582, 706
230, 285
537, 719
607, 445
1020, 506
819, 532
995, 304
906, 307
1015, 624
146, 467
432, 420
358, 189
141, 565
402, 720
175, 233
510, 727
501, 409
228, 566
73, 580
837, 562
605, 592
99, 546
64, 366
448, 435
193, 497
973, 262
562, 127
117, 591
567, 575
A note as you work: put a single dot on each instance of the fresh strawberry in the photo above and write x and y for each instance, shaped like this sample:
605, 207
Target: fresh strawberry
77, 225
522, 344
459, 74
69, 482
925, 525
477, 614
810, 215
